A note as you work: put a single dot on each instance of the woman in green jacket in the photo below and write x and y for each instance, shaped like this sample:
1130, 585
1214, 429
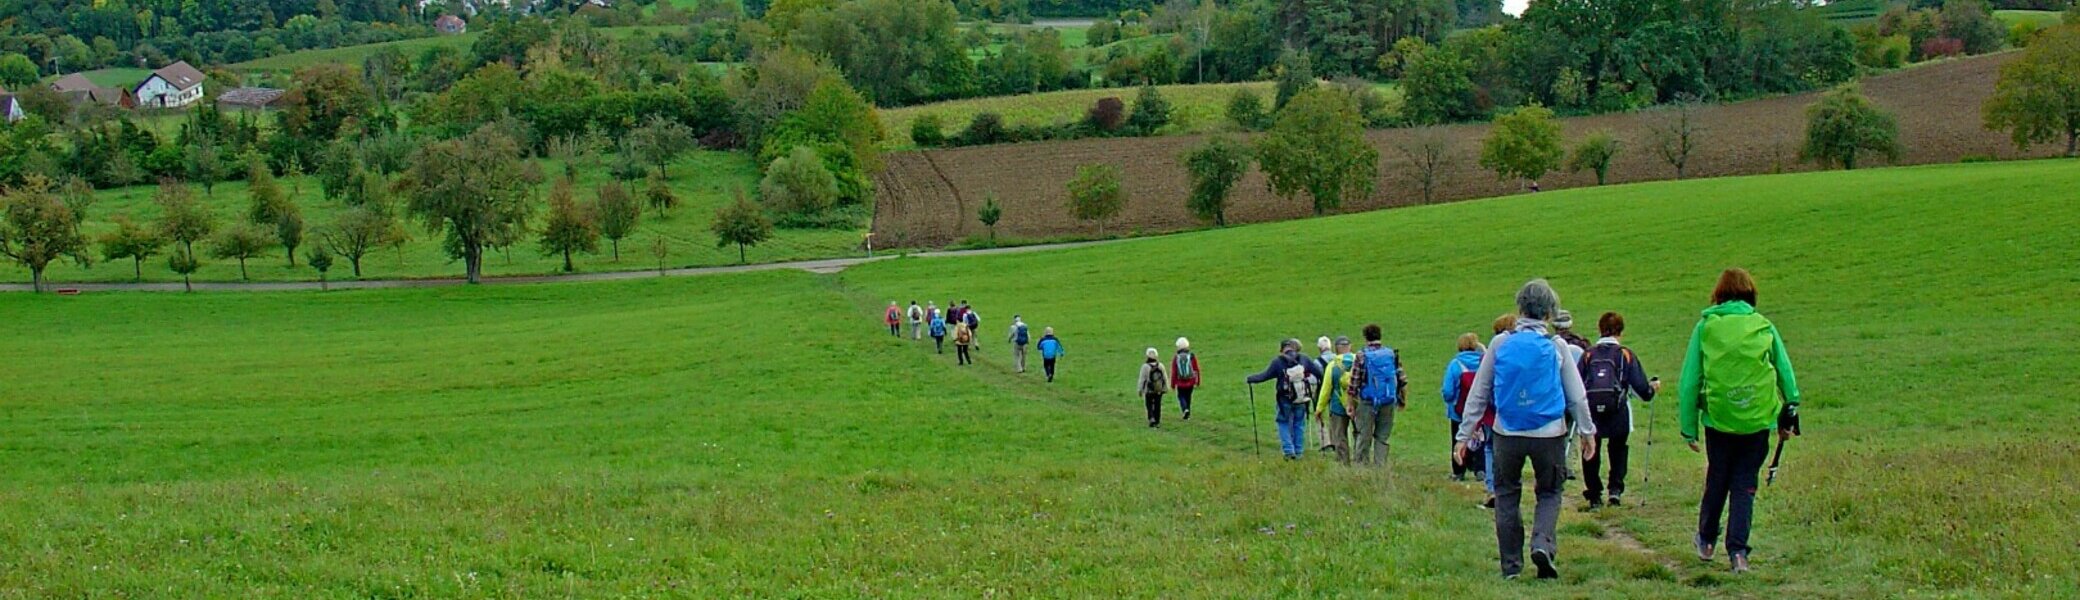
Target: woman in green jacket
1737, 380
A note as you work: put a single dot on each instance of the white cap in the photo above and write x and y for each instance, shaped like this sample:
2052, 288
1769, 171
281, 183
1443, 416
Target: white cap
1184, 344
1323, 343
1152, 353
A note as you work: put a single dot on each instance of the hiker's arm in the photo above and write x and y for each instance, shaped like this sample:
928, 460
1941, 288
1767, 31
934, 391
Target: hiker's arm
1636, 376
1270, 371
1577, 400
1450, 388
1687, 390
1477, 399
1787, 381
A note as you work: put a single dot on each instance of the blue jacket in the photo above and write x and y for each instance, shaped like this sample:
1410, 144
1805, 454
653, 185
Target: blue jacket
1050, 347
1468, 361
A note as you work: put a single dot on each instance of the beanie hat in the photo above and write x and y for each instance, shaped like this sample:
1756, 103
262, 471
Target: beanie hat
1565, 320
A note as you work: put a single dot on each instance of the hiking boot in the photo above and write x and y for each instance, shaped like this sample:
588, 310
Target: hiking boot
1593, 506
1704, 550
1544, 561
1740, 563
1617, 501
1187, 415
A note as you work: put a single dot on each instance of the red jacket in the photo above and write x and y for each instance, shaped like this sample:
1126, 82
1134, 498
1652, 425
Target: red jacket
895, 315
1187, 382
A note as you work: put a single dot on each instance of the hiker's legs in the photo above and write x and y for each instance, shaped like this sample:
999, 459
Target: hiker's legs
1292, 428
1718, 479
1382, 433
939, 341
1047, 364
1154, 403
1339, 432
1510, 454
1592, 475
1018, 357
960, 352
1750, 451
1363, 424
895, 329
1184, 400
1619, 447
1547, 455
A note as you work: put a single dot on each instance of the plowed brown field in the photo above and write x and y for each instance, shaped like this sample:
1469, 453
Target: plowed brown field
929, 198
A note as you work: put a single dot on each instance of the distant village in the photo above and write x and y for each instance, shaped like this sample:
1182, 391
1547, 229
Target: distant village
178, 85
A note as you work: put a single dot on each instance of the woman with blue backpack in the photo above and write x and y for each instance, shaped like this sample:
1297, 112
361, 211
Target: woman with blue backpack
1458, 382
1737, 382
1535, 394
938, 328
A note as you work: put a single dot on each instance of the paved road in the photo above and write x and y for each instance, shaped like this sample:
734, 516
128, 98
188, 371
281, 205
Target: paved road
831, 265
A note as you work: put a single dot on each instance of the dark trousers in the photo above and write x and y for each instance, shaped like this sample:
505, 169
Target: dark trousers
1047, 364
960, 352
895, 329
1733, 466
1155, 408
939, 341
1546, 455
1460, 468
1184, 399
1616, 447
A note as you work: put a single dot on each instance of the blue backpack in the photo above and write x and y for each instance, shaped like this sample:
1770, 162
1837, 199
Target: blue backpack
1527, 382
1381, 383
1022, 336
938, 327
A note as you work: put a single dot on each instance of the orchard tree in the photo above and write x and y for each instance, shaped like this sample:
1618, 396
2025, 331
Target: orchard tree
288, 230
1843, 125
618, 214
203, 164
38, 228
742, 224
1151, 111
2037, 98
323, 98
320, 260
1295, 76
660, 141
1524, 144
1215, 169
658, 194
1676, 132
660, 249
467, 189
798, 185
184, 263
1246, 110
358, 231
133, 241
182, 219
572, 227
989, 214
1095, 194
1594, 153
1429, 150
242, 242
1318, 147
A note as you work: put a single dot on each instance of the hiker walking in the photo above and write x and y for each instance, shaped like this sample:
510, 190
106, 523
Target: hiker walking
1050, 351
1020, 336
1152, 384
1611, 374
1325, 351
938, 328
1184, 376
916, 314
1458, 381
894, 318
1486, 424
1331, 405
1297, 378
1737, 381
1576, 348
1382, 389
963, 337
1532, 389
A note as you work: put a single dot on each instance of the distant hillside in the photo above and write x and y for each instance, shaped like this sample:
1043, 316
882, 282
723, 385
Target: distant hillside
930, 197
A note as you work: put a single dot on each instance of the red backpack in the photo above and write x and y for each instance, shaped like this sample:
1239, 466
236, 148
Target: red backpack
1466, 389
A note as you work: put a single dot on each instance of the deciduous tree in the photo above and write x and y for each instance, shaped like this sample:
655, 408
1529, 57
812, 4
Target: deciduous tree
1676, 132
1594, 153
798, 186
1429, 150
1215, 168
741, 224
1842, 126
1095, 194
1524, 144
1318, 147
320, 260
241, 242
988, 215
658, 194
618, 214
660, 141
182, 219
133, 241
466, 189
358, 231
39, 228
572, 227
2037, 98
184, 263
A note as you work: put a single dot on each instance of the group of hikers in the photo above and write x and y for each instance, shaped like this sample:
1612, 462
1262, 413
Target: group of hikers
1535, 389
929, 319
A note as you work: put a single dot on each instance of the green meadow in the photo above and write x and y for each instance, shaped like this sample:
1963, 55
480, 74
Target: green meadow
761, 435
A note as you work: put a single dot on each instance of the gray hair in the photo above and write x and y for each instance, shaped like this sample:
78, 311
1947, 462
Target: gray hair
1537, 301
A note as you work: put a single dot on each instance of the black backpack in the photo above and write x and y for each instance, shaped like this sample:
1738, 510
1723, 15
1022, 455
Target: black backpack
1605, 377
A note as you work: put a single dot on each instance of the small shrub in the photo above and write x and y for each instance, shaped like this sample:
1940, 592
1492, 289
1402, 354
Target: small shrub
1106, 115
927, 131
985, 128
1941, 47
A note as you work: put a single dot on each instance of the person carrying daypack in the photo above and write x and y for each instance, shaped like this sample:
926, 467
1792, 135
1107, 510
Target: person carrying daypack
1381, 387
1152, 385
1458, 382
1050, 351
1737, 382
894, 318
1296, 378
1184, 376
1611, 374
916, 315
1576, 348
1527, 381
938, 328
1333, 402
1020, 336
963, 337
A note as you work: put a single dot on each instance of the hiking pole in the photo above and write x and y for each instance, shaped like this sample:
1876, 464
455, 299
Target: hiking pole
1646, 466
1779, 459
1256, 443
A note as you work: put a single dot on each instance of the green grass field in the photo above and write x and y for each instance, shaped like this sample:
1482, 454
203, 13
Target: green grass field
1193, 108
353, 55
756, 435
117, 77
704, 181
2041, 18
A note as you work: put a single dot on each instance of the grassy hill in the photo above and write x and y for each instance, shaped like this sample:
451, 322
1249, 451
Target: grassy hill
2041, 18
704, 181
1194, 108
755, 435
353, 55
